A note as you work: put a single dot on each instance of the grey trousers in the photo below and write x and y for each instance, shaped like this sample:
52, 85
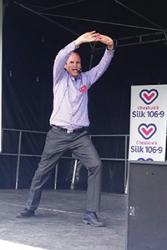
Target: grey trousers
58, 142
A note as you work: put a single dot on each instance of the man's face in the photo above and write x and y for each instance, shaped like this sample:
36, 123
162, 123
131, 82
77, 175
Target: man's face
73, 64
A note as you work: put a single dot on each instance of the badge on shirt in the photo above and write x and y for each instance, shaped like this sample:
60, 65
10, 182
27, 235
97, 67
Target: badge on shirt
83, 89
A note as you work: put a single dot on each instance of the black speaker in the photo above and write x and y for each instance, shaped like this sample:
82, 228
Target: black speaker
147, 206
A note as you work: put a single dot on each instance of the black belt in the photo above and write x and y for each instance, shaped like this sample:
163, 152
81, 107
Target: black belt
70, 131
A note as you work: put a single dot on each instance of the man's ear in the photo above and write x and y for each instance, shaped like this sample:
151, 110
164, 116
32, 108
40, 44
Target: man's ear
65, 66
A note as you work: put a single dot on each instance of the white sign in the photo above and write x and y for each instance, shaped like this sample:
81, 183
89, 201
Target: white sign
148, 119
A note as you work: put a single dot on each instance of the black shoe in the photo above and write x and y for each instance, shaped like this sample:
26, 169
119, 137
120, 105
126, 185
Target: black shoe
91, 219
25, 213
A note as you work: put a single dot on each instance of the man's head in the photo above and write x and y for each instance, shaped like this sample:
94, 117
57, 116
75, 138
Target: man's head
73, 64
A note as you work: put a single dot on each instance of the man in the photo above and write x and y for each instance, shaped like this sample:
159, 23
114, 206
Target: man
69, 122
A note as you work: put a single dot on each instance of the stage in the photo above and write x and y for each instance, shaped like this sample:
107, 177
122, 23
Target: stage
58, 222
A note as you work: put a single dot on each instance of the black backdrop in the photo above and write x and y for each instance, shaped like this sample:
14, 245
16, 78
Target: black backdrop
29, 47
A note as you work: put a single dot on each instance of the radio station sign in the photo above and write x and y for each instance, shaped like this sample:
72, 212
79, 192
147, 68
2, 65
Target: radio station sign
148, 120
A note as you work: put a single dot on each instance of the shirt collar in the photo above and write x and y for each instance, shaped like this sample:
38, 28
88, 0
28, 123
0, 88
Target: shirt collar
75, 78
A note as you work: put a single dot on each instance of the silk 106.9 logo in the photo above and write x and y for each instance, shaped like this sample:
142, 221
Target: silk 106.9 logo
147, 130
148, 96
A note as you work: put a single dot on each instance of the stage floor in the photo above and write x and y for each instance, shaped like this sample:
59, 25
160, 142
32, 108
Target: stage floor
58, 222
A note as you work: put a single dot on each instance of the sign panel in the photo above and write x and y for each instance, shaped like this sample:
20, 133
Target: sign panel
148, 118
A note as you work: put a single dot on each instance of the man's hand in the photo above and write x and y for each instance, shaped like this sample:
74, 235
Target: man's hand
94, 36
107, 41
87, 37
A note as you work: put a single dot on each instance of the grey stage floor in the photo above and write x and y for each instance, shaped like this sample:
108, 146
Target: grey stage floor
58, 223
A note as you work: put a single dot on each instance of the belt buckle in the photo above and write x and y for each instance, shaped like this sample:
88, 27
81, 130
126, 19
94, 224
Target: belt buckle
69, 131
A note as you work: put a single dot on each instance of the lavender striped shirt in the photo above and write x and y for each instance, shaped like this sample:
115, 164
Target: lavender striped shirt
70, 102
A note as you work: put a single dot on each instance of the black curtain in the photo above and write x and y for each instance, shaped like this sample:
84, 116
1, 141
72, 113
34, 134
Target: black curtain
29, 47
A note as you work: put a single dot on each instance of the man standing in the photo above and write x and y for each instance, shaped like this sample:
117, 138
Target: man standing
69, 124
